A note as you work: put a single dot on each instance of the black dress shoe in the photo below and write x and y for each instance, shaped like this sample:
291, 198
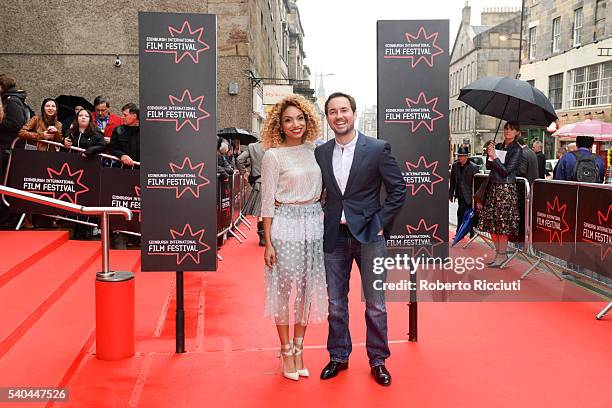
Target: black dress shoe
381, 375
332, 368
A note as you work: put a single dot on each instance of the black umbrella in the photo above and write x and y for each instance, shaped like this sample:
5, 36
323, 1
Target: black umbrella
244, 136
509, 99
67, 103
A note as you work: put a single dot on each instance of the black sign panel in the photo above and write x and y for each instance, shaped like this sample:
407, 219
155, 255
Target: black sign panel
224, 203
413, 60
61, 175
553, 218
594, 229
178, 116
121, 188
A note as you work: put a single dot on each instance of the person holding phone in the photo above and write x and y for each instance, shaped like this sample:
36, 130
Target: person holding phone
42, 127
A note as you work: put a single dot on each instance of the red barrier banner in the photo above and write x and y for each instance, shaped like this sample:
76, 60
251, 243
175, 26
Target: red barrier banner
64, 176
553, 218
121, 188
594, 229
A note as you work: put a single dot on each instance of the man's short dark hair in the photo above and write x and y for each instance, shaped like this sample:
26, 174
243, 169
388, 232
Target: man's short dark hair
521, 140
341, 95
101, 99
133, 108
585, 141
7, 82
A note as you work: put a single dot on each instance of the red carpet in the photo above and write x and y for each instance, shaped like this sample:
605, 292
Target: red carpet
468, 354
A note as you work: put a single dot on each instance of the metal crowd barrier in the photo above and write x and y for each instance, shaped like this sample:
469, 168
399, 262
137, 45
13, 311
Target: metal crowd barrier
58, 145
236, 216
485, 235
104, 212
527, 251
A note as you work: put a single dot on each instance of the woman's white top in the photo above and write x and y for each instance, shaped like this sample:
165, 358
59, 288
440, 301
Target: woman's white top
290, 175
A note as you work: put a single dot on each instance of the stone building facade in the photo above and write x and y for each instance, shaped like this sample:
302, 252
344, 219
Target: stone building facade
489, 49
70, 47
567, 54
367, 121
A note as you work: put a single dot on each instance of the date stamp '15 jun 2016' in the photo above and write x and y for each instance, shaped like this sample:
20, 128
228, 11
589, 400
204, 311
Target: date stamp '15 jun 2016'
29, 394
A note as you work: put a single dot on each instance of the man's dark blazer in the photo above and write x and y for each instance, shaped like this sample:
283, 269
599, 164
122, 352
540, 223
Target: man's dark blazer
372, 166
464, 184
529, 165
541, 165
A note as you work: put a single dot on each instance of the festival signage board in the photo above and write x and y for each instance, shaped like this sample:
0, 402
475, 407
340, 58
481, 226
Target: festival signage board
177, 59
413, 98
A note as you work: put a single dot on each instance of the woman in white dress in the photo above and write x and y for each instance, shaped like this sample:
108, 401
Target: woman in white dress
293, 228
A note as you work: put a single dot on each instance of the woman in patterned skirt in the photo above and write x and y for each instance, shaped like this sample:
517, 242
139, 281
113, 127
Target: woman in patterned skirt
500, 215
293, 226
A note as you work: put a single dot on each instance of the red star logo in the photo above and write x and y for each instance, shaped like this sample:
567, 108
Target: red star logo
187, 233
187, 168
605, 248
422, 33
199, 45
422, 37
430, 169
66, 173
428, 105
423, 229
199, 113
558, 210
137, 191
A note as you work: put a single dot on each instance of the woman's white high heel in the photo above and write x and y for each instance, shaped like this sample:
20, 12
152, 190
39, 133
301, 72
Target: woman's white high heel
287, 351
298, 348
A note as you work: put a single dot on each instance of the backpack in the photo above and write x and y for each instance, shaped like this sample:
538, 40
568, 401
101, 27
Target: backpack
28, 112
585, 169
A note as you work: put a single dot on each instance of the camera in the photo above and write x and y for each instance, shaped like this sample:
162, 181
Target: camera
117, 61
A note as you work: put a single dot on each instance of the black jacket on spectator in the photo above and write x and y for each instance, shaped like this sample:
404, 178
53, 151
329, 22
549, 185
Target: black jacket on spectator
505, 172
541, 165
93, 143
224, 168
528, 167
14, 117
126, 140
462, 180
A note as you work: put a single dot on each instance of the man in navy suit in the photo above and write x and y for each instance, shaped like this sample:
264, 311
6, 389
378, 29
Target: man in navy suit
354, 168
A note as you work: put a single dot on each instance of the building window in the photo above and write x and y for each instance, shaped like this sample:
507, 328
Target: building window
532, 42
555, 90
469, 74
494, 39
600, 19
577, 31
590, 85
556, 34
492, 68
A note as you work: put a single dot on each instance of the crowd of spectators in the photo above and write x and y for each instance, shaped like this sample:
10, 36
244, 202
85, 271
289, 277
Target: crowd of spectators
83, 132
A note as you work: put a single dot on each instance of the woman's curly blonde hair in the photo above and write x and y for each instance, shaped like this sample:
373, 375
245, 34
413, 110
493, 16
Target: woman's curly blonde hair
273, 136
